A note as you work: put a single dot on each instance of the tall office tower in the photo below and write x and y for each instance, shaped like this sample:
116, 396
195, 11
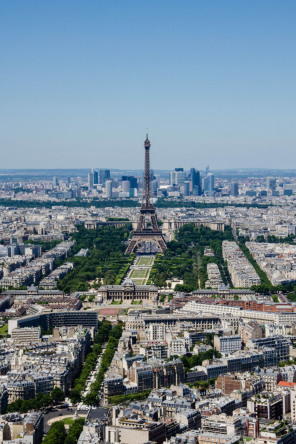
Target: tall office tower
271, 183
103, 176
132, 180
96, 177
207, 170
172, 178
185, 188
209, 184
77, 192
157, 177
177, 177
90, 180
195, 182
126, 186
154, 186
180, 176
108, 185
55, 181
234, 189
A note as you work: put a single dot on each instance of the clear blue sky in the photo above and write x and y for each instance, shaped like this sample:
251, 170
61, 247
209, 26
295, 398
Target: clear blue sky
213, 80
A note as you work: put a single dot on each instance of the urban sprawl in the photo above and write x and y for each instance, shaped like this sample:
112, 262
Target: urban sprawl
155, 309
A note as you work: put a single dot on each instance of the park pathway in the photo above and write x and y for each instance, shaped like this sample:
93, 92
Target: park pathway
140, 270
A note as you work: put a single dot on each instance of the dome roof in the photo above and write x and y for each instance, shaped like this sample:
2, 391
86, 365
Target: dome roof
128, 282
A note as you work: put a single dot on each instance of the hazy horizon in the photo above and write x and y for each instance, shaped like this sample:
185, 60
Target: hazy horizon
47, 173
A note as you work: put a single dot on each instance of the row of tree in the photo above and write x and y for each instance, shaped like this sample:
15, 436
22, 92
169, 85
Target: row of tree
98, 203
105, 334
46, 245
123, 203
266, 286
184, 258
119, 399
177, 203
40, 401
106, 257
104, 329
92, 398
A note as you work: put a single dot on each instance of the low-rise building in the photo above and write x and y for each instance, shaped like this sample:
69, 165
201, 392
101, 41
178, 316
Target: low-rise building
137, 430
129, 292
29, 427
266, 405
223, 425
26, 335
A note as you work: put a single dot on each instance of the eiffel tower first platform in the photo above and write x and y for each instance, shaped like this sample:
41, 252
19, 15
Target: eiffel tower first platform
144, 232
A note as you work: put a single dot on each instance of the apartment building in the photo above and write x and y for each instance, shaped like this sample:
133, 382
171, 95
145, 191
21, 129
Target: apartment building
227, 310
223, 425
26, 335
279, 344
214, 276
3, 398
154, 349
30, 426
136, 430
241, 271
240, 381
227, 344
266, 405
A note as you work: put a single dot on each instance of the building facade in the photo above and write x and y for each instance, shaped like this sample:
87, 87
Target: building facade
129, 292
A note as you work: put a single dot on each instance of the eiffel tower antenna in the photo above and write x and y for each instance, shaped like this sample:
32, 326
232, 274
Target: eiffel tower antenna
142, 233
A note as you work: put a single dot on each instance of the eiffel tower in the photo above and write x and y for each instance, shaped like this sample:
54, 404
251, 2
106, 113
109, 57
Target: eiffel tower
145, 233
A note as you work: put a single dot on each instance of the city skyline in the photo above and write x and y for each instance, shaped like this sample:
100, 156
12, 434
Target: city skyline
148, 273
211, 81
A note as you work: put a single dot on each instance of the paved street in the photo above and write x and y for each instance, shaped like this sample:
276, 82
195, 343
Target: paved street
60, 413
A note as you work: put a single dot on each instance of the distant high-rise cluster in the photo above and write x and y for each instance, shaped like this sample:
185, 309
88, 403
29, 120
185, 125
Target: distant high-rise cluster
191, 183
177, 183
96, 177
129, 186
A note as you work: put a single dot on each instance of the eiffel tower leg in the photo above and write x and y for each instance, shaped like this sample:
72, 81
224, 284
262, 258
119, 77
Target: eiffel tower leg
131, 246
141, 223
162, 244
154, 222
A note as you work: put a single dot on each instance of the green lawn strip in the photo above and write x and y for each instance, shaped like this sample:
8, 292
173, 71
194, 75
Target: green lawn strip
118, 399
68, 421
144, 261
4, 329
139, 274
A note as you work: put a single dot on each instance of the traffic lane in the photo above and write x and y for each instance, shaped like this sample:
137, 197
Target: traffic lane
64, 411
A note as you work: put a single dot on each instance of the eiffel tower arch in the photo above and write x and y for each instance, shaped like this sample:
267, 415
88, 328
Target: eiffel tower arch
147, 229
